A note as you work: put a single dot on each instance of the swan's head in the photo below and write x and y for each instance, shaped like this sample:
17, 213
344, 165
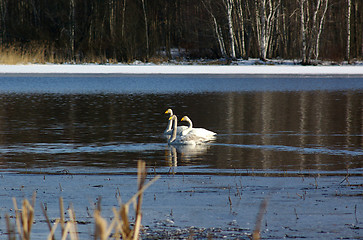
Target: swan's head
172, 117
186, 119
169, 111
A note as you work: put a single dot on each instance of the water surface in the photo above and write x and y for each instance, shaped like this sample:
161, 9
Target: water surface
107, 122
296, 141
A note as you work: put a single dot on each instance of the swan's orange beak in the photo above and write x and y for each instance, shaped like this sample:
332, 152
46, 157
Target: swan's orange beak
183, 119
171, 118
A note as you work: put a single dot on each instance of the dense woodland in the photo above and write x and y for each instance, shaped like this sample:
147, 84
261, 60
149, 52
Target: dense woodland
125, 30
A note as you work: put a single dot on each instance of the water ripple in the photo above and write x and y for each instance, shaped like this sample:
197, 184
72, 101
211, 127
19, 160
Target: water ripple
303, 150
65, 148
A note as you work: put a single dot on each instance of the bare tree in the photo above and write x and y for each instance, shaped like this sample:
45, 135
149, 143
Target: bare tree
349, 3
320, 29
312, 20
229, 4
217, 29
241, 31
72, 24
265, 20
125, 30
3, 12
112, 16
146, 28
303, 31
123, 18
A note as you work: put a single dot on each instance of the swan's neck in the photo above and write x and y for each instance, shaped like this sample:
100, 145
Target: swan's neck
190, 126
168, 127
175, 126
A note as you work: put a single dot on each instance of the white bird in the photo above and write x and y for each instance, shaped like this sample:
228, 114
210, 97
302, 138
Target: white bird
200, 132
181, 139
168, 129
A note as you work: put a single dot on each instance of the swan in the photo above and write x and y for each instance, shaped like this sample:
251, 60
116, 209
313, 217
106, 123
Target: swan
168, 129
200, 132
181, 139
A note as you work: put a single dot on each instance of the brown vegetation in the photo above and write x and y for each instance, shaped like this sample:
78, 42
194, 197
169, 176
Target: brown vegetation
120, 226
75, 31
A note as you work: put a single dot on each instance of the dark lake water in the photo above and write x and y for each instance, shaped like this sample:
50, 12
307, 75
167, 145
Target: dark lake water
295, 141
105, 123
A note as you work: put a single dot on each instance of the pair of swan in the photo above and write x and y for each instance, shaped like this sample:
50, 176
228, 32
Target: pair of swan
168, 131
186, 134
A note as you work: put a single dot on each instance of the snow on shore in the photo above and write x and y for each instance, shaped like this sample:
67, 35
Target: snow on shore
180, 69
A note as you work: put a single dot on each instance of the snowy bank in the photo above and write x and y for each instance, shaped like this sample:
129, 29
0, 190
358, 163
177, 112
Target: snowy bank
180, 69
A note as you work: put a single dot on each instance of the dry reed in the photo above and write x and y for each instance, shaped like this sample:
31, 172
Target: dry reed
41, 53
120, 226
256, 235
18, 55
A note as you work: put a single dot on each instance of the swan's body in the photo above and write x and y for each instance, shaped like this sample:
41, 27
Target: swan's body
187, 138
200, 132
168, 129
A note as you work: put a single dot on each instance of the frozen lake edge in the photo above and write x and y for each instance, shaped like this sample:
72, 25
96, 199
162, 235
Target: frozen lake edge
356, 70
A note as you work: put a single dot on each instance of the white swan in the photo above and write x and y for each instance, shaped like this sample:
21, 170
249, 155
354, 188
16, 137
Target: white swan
181, 139
200, 132
168, 129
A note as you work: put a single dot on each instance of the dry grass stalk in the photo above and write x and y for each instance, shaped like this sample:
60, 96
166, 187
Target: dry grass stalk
120, 224
61, 212
17, 55
41, 53
73, 224
69, 228
48, 221
256, 235
52, 231
10, 228
141, 177
102, 230
24, 217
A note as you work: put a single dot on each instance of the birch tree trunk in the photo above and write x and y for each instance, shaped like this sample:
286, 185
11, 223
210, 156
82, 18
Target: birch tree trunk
349, 2
311, 28
303, 32
72, 28
217, 29
112, 18
242, 29
320, 29
265, 24
123, 18
146, 28
229, 7
262, 38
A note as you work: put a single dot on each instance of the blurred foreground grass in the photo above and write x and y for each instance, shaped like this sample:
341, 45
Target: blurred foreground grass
119, 227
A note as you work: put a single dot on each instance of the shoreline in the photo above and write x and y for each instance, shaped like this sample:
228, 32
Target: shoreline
144, 69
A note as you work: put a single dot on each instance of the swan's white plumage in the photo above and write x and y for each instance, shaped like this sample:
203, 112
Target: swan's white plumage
200, 132
168, 129
186, 137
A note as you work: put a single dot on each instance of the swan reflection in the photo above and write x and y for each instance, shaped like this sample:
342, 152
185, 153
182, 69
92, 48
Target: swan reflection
184, 153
